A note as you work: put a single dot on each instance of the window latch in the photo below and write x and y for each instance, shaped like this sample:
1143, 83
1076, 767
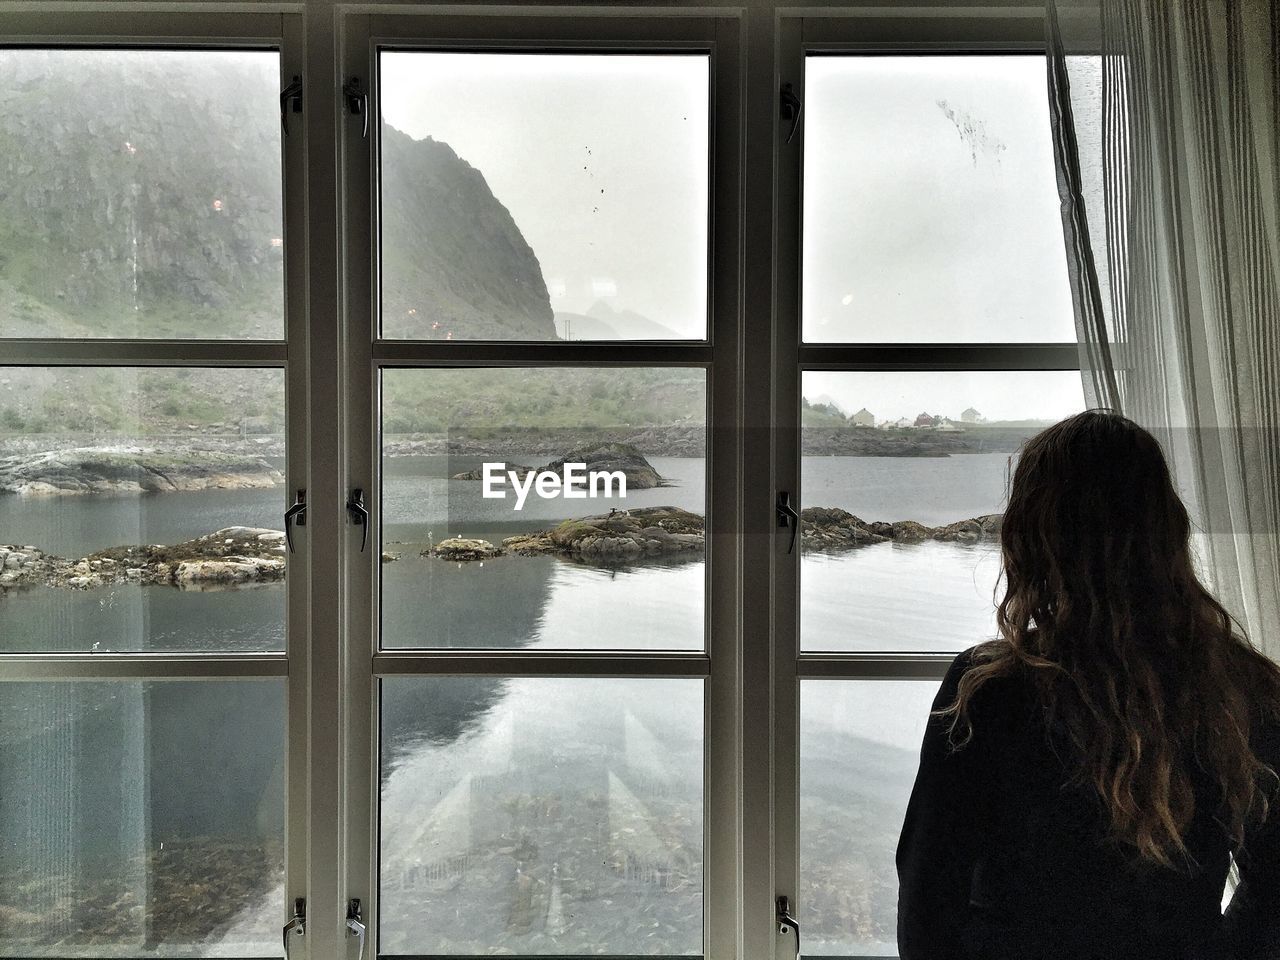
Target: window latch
297, 925
787, 923
290, 100
787, 517
297, 514
357, 512
791, 109
357, 102
355, 926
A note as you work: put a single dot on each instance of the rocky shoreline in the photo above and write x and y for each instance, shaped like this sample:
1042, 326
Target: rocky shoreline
231, 557
629, 535
242, 556
79, 471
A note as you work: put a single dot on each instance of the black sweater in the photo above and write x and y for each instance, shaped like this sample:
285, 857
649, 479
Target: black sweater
999, 861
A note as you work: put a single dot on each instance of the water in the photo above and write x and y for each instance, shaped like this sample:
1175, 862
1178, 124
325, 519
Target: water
575, 781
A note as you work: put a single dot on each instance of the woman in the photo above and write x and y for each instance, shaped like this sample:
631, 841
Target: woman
1087, 777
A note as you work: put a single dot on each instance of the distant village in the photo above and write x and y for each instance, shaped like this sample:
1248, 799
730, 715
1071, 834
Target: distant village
923, 421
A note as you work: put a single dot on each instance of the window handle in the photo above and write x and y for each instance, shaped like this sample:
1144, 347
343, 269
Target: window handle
355, 927
297, 514
359, 513
791, 109
787, 517
787, 923
297, 924
357, 102
290, 99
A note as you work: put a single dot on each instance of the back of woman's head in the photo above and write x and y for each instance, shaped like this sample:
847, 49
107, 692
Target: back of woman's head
1137, 667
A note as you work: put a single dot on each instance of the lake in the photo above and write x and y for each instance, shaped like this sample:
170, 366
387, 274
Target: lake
502, 823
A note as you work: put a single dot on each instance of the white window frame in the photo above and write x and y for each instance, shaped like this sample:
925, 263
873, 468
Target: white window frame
852, 30
255, 26
532, 29
754, 357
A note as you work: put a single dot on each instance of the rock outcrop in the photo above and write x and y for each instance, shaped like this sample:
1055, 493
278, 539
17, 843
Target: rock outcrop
612, 457
454, 262
463, 549
618, 537
88, 470
233, 556
604, 455
833, 529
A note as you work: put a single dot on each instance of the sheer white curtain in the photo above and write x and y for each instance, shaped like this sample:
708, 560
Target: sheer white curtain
1166, 119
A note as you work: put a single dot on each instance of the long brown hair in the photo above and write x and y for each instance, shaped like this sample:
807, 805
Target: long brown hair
1138, 669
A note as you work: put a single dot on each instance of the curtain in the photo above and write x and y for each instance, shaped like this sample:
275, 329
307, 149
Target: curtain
1166, 128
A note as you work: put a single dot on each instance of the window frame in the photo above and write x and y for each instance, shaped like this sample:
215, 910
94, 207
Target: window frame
282, 30
852, 31
550, 30
752, 667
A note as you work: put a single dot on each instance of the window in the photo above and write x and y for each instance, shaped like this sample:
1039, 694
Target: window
391, 544
933, 335
151, 441
537, 390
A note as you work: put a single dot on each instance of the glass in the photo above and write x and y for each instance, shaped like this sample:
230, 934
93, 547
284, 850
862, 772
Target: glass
541, 816
582, 566
931, 210
141, 509
903, 477
859, 750
142, 818
142, 194
539, 196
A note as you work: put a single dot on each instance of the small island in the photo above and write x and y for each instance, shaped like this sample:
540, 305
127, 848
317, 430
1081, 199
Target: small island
600, 456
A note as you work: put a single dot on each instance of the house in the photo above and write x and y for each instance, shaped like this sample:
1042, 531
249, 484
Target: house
971, 416
863, 418
925, 420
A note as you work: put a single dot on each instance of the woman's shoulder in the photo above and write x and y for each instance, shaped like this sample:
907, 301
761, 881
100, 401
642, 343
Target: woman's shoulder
1002, 683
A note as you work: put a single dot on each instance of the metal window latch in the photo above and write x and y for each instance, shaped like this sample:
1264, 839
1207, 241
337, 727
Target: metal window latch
787, 923
357, 102
297, 514
290, 100
297, 924
791, 109
357, 512
355, 926
787, 517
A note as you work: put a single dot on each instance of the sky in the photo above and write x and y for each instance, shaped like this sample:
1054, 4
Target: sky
930, 204
601, 160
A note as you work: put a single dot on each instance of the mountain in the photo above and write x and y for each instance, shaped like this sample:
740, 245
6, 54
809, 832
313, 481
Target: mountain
140, 196
602, 322
451, 253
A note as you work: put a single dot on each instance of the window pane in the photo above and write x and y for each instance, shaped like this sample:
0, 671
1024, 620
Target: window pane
142, 819
535, 196
903, 476
141, 509
541, 816
930, 202
859, 750
142, 194
595, 564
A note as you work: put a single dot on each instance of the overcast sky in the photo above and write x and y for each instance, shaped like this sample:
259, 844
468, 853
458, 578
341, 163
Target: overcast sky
930, 205
601, 160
